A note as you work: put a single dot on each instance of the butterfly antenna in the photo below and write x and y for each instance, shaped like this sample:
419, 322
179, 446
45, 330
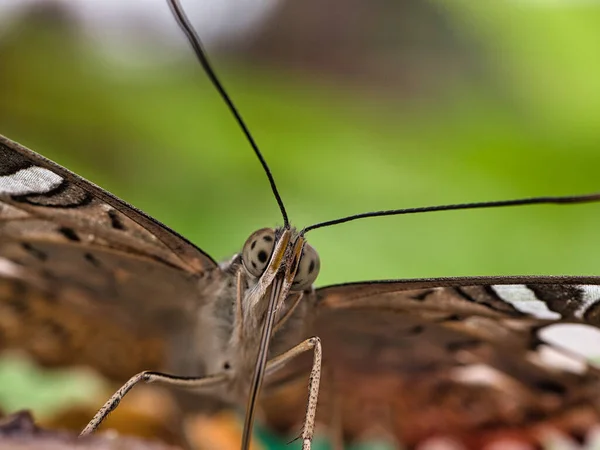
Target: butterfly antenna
196, 43
397, 212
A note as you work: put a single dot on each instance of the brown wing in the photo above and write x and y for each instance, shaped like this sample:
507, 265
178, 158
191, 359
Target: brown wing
84, 277
465, 358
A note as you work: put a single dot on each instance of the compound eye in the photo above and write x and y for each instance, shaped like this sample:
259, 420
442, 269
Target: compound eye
308, 269
257, 251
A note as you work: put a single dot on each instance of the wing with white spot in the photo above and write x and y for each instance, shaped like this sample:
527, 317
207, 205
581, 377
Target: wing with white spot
55, 199
84, 277
474, 358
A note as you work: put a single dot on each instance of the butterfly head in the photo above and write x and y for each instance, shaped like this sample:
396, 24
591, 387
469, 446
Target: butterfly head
269, 251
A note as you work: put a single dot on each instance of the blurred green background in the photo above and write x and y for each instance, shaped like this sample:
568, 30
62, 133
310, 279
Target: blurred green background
357, 106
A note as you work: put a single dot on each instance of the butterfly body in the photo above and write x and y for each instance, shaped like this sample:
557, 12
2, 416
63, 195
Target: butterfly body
225, 338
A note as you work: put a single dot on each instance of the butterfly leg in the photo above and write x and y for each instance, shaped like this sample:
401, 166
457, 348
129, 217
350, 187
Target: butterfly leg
278, 362
150, 377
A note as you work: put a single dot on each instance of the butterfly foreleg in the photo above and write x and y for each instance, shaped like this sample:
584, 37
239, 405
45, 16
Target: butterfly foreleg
200, 383
280, 361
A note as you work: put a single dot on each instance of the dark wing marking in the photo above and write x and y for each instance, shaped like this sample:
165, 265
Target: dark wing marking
544, 297
34, 185
411, 360
87, 279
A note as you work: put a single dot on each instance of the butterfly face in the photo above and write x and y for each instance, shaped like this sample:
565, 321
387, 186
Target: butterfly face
258, 251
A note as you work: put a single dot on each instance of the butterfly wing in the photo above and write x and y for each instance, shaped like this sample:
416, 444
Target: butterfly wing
86, 278
470, 358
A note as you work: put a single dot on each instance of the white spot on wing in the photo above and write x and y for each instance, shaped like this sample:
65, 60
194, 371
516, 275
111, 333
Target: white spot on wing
524, 300
578, 338
9, 269
555, 358
479, 374
33, 180
591, 294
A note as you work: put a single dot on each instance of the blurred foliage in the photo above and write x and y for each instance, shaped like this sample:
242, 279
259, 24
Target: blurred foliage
161, 139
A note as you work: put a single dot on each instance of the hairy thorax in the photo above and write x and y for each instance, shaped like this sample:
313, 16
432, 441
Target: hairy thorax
220, 344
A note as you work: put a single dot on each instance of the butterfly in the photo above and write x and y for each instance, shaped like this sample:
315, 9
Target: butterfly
88, 279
